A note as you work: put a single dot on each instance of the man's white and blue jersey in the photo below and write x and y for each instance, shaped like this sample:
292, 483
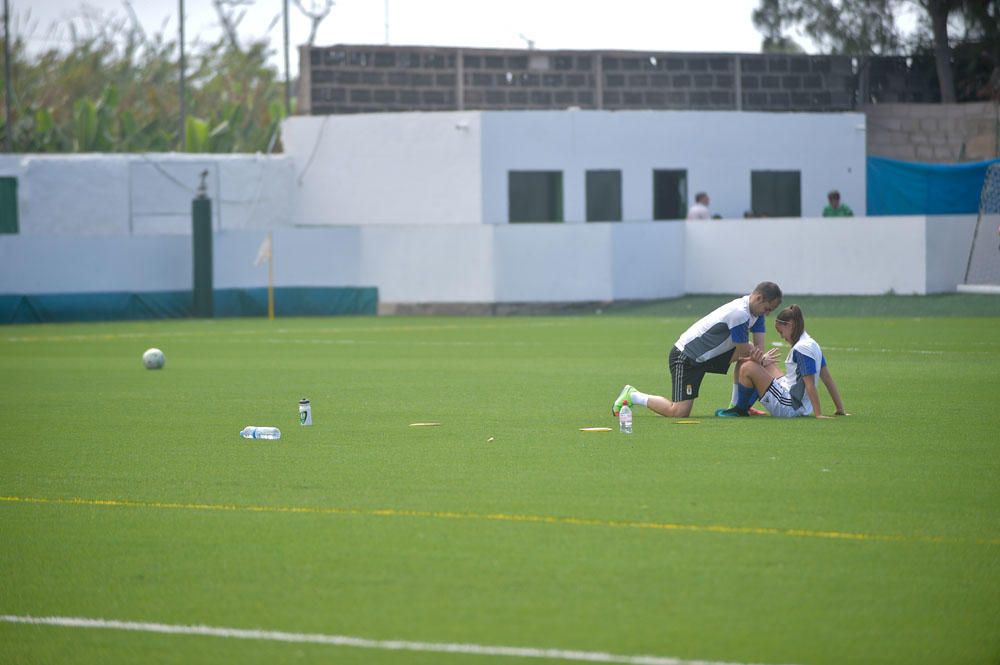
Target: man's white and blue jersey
805, 359
720, 331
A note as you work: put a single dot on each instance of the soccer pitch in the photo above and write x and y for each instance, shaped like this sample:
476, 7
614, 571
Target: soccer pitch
505, 534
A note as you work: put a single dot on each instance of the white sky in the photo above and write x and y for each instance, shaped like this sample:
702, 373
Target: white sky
661, 25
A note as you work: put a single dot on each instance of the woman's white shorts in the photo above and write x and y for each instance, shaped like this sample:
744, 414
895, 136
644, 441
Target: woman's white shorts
778, 402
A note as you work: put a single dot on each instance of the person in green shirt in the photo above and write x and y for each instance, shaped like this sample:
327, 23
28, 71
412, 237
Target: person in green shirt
836, 208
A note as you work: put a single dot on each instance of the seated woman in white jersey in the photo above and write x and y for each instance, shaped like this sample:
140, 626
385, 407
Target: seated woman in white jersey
793, 393
709, 346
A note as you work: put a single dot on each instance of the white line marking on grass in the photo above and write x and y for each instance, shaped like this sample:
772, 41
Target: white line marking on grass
400, 342
924, 352
357, 642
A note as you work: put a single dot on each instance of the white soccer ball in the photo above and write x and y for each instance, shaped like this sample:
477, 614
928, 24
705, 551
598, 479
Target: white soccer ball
153, 359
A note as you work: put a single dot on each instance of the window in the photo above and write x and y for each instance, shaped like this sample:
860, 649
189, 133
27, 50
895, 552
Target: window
604, 196
776, 193
669, 194
535, 196
8, 205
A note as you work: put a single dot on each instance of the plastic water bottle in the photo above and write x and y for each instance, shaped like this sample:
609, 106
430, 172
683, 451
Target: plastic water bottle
305, 412
252, 432
625, 419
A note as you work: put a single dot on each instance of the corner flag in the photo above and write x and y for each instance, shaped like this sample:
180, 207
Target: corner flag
265, 253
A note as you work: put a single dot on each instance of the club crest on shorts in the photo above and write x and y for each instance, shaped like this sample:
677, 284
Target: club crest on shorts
687, 389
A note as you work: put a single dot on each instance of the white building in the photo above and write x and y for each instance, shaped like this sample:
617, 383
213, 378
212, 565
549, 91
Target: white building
457, 167
486, 207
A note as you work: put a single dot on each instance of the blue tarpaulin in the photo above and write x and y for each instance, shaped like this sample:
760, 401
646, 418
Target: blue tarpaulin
912, 188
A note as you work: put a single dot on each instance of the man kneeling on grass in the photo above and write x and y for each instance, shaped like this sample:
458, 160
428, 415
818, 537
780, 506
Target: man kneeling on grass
793, 393
710, 346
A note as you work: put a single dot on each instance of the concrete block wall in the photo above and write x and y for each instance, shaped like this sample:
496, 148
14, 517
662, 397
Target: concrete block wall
796, 82
520, 79
365, 79
934, 132
668, 81
899, 79
377, 78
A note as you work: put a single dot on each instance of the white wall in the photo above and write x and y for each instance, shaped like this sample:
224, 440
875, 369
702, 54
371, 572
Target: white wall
649, 262
561, 259
32, 265
63, 195
949, 239
416, 204
834, 256
386, 168
718, 150
408, 264
589, 261
82, 195
521, 262
302, 257
35, 265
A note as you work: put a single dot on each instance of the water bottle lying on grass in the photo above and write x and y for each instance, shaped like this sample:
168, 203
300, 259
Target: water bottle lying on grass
254, 432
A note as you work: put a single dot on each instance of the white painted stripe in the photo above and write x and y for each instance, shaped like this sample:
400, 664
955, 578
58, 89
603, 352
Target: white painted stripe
923, 352
778, 395
978, 288
357, 642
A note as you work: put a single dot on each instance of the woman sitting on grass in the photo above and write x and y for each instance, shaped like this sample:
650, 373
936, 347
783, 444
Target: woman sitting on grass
793, 393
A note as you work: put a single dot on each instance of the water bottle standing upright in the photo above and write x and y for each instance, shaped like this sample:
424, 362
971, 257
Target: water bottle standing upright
305, 412
625, 419
252, 432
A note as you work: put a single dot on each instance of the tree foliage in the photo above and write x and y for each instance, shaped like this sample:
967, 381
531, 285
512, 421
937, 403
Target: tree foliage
847, 27
116, 89
973, 27
863, 28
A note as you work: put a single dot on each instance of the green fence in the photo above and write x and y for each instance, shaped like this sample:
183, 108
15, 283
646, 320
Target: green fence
288, 301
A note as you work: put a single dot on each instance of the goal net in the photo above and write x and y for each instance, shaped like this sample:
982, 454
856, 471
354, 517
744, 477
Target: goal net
982, 273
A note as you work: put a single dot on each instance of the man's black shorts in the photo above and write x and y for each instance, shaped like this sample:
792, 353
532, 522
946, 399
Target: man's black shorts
686, 375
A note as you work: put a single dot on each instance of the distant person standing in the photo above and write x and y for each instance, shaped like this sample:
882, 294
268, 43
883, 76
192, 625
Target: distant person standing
700, 208
836, 208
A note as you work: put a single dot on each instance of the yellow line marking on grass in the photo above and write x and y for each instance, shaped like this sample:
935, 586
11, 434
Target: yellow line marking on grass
505, 517
441, 327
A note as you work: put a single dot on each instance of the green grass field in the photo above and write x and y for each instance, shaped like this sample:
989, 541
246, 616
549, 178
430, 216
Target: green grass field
127, 494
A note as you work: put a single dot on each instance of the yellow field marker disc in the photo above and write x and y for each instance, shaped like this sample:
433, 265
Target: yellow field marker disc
687, 422
425, 424
595, 429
